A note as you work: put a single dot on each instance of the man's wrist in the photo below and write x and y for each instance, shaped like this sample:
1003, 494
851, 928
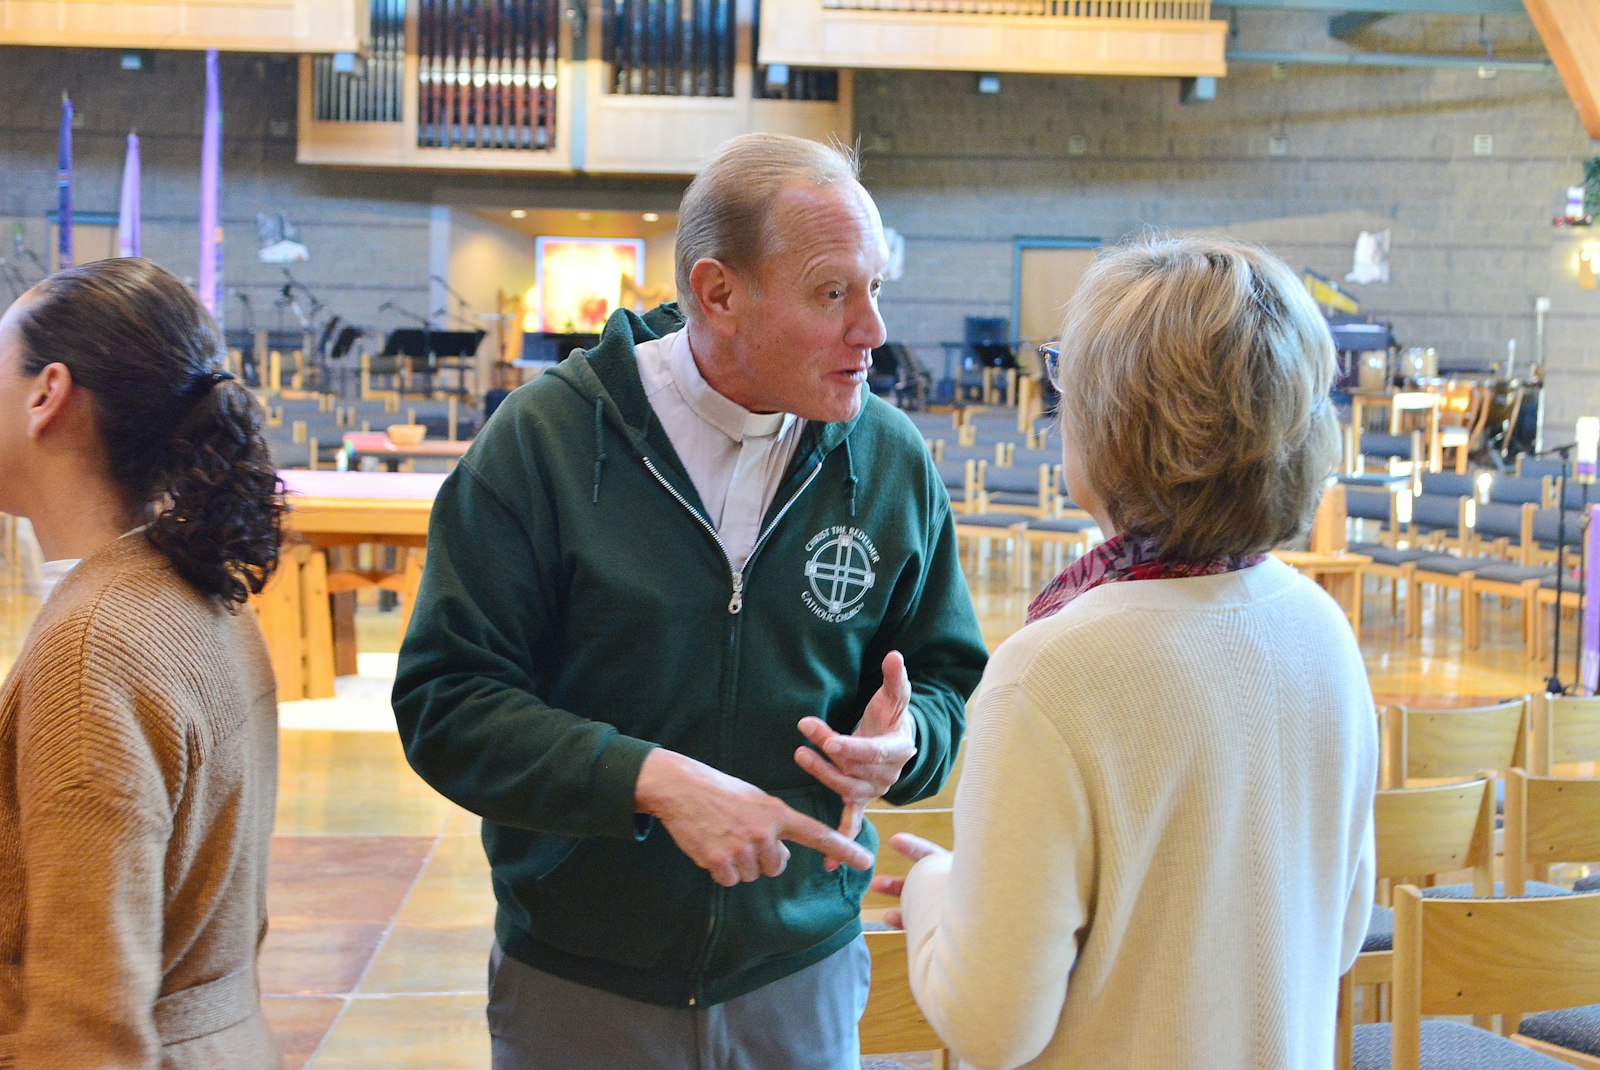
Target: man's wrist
661, 768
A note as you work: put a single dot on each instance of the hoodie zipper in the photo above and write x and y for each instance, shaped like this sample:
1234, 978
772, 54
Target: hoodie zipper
735, 607
736, 601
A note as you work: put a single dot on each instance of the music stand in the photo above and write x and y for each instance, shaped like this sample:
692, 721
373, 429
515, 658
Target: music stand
345, 342
428, 350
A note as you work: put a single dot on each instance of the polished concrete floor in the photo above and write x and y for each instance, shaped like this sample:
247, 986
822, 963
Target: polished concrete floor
380, 899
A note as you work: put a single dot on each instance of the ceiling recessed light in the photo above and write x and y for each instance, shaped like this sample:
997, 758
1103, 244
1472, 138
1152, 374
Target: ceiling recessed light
519, 213
585, 216
652, 217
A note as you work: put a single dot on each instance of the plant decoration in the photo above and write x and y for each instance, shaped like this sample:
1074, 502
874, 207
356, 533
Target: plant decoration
1591, 187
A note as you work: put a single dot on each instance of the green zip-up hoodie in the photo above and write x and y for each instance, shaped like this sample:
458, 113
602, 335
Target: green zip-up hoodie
577, 610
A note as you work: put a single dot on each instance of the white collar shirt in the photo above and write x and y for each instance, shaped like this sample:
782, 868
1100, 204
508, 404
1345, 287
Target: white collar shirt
735, 458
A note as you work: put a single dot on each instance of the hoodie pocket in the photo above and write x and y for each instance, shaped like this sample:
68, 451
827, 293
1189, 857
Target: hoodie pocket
779, 917
633, 903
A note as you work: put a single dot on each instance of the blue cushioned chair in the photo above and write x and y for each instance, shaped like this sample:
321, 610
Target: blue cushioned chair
1550, 820
1418, 832
1481, 957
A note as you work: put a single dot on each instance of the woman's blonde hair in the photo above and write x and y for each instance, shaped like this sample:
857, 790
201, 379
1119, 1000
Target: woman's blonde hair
1194, 379
726, 211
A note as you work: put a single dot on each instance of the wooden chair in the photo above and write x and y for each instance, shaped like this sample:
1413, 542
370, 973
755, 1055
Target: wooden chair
961, 480
1551, 820
1548, 820
1510, 582
1481, 957
1006, 527
1419, 411
1385, 560
1463, 414
1024, 488
892, 1022
1538, 467
1420, 833
1562, 730
1432, 745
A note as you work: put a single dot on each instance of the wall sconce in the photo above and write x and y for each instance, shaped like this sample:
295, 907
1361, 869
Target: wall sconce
1589, 265
1588, 435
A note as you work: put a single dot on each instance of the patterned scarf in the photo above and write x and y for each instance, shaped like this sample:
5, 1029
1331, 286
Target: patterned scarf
1123, 558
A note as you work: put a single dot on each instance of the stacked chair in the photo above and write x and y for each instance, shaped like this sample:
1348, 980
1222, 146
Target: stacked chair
1005, 487
1478, 536
1520, 956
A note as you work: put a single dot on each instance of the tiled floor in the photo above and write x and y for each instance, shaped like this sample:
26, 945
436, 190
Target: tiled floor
381, 908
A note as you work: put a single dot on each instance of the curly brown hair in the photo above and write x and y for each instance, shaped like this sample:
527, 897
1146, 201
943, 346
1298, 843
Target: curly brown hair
176, 434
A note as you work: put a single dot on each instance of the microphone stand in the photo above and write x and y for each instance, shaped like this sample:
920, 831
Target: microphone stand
1553, 686
462, 304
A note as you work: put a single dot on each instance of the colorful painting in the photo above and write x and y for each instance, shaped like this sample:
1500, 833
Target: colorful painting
579, 282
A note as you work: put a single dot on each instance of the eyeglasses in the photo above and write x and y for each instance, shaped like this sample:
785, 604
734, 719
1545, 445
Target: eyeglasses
1051, 352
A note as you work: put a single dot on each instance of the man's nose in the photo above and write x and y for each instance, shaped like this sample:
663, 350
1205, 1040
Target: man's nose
866, 328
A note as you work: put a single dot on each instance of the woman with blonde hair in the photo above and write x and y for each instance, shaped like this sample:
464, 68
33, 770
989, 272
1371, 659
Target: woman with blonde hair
1163, 831
138, 727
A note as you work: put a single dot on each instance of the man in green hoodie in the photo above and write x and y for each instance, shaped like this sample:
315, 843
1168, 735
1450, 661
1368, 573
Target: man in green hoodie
692, 600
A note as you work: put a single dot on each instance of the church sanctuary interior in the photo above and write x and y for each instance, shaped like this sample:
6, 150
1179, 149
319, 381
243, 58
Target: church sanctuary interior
421, 205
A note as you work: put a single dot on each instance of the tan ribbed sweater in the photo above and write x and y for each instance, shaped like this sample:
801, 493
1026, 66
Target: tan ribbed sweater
138, 758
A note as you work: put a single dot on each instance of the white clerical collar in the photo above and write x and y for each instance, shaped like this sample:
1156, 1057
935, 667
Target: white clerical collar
724, 414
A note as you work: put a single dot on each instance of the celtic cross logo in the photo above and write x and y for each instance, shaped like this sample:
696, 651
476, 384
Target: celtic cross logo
839, 572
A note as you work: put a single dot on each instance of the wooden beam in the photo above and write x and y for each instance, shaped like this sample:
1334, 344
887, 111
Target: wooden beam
808, 35
227, 25
1385, 7
1571, 33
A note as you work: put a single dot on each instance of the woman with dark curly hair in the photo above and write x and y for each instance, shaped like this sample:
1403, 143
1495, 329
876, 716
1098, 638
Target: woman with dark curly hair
138, 728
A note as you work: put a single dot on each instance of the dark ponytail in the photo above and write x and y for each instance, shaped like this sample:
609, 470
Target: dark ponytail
178, 435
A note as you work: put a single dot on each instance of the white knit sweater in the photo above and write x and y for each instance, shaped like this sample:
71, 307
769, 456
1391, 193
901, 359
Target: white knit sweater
1163, 834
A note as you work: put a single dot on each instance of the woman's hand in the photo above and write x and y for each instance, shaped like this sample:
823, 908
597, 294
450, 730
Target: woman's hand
915, 848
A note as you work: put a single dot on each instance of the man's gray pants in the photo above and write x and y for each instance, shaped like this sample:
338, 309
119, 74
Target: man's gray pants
806, 1021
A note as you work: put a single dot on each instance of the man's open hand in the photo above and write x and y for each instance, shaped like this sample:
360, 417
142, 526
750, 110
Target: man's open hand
864, 765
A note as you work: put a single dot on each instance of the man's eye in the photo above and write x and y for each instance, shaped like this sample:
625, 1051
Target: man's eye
834, 295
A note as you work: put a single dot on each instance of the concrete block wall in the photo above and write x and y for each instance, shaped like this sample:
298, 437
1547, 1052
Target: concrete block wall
965, 176
962, 176
367, 232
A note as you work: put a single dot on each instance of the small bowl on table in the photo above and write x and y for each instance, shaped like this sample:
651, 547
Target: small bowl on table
406, 434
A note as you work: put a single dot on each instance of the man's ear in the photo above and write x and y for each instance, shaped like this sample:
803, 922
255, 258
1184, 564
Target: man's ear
49, 395
714, 287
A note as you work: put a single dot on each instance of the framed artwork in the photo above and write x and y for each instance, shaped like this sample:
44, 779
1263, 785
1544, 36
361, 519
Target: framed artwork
578, 282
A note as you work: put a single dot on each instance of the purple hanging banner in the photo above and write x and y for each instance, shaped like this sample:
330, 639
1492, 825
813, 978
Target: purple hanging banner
210, 187
128, 238
1589, 660
64, 189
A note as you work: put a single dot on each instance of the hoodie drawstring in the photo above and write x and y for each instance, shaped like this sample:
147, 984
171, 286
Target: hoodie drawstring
850, 477
599, 447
